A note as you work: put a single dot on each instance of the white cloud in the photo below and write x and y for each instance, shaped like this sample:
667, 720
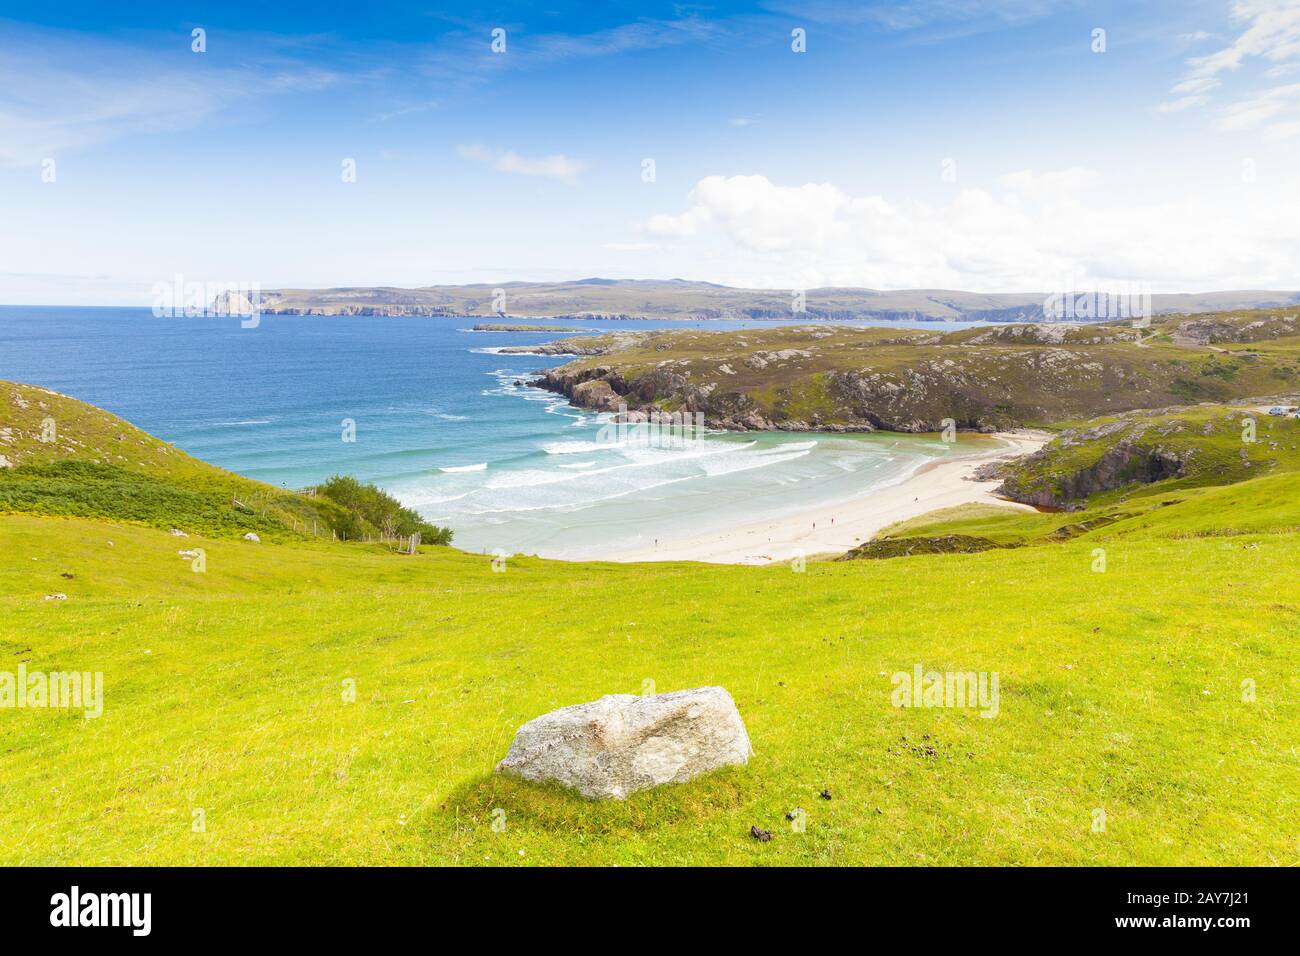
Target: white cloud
1197, 84
632, 246
1254, 110
61, 92
916, 14
1182, 103
558, 166
1033, 231
1270, 32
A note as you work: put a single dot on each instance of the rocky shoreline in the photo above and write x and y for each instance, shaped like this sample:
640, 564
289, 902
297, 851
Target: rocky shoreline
602, 388
818, 378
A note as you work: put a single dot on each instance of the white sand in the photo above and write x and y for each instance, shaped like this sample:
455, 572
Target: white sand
836, 528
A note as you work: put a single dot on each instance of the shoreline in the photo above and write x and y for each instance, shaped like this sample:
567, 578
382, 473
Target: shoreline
835, 528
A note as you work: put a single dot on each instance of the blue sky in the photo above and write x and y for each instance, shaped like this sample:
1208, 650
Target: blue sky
917, 143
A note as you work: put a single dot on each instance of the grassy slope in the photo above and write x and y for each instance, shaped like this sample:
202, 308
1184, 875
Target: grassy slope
86, 433
1209, 439
99, 465
65, 458
1229, 487
1120, 690
223, 691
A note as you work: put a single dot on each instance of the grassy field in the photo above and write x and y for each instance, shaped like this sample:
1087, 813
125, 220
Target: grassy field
1120, 690
304, 701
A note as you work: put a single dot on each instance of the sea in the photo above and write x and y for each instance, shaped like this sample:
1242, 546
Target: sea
433, 413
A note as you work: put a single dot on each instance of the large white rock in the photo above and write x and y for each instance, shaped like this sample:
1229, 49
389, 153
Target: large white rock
623, 743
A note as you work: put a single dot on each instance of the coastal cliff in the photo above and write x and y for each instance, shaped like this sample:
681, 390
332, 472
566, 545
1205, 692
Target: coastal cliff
985, 379
1182, 447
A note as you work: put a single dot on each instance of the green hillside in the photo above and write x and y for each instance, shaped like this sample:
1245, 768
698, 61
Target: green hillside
1161, 691
799, 378
60, 456
1098, 479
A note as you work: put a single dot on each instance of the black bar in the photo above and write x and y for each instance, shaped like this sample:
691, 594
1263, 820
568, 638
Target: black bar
332, 906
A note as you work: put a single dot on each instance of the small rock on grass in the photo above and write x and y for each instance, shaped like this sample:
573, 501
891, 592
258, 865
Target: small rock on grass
759, 834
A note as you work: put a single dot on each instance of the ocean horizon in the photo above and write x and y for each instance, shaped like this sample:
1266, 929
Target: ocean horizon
431, 412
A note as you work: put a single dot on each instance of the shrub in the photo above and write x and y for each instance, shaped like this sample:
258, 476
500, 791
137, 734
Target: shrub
372, 511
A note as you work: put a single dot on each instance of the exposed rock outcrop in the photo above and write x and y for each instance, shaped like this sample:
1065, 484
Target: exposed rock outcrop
622, 743
1130, 460
823, 378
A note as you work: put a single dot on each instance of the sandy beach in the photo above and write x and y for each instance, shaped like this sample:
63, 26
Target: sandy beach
836, 528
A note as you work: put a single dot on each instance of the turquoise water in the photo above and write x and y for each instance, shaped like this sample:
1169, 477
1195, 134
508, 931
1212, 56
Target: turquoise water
439, 419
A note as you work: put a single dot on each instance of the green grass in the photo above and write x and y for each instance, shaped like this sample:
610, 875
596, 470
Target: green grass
62, 457
1209, 440
1121, 690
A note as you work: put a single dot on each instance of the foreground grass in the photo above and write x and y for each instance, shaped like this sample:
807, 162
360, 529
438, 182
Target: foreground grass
1120, 691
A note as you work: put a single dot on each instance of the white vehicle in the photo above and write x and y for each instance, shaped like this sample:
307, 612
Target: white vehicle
1277, 410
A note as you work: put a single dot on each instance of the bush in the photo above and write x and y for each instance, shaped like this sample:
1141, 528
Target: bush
372, 511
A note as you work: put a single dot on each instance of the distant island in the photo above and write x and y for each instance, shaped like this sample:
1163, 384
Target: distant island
678, 299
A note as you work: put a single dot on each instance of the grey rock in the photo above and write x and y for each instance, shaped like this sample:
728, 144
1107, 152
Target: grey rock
623, 743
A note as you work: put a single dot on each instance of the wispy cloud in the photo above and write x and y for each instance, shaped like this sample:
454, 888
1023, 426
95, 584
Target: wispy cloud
557, 166
904, 15
463, 60
1268, 32
408, 110
78, 92
1182, 103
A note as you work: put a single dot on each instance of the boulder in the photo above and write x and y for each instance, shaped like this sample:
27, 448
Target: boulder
252, 536
623, 743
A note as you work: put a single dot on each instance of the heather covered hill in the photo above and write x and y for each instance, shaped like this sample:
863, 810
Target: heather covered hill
983, 378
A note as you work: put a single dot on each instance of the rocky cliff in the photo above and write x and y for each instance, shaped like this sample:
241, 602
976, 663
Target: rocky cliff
1182, 447
820, 378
